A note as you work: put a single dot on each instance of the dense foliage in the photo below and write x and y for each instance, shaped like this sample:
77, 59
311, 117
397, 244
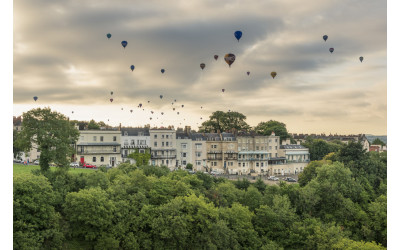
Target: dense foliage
339, 204
225, 122
279, 128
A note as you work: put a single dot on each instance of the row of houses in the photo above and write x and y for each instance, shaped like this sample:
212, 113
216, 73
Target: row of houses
229, 153
239, 153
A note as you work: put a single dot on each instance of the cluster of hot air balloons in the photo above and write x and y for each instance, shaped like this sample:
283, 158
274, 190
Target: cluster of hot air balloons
325, 37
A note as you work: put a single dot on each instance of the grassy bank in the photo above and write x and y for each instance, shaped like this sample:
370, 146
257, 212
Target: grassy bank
26, 169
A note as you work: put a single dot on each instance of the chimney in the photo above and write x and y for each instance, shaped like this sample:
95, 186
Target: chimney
119, 126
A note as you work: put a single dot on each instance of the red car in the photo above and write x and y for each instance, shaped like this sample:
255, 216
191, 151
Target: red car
86, 165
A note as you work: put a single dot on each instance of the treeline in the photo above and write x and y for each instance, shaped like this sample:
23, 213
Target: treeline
339, 203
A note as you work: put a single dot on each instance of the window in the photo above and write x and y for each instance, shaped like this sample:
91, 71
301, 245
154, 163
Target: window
257, 148
167, 162
198, 154
262, 164
213, 163
184, 163
126, 142
141, 151
132, 142
162, 161
276, 147
270, 147
183, 154
166, 136
162, 144
114, 138
126, 133
276, 140
94, 159
276, 154
239, 148
102, 159
101, 138
162, 136
198, 146
239, 164
114, 149
183, 145
155, 136
166, 144
213, 146
230, 163
94, 138
198, 163
155, 144
257, 164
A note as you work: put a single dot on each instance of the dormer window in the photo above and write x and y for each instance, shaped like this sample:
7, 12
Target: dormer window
126, 133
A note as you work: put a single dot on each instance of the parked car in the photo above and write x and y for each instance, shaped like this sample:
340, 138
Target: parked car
273, 178
36, 162
86, 165
289, 179
74, 164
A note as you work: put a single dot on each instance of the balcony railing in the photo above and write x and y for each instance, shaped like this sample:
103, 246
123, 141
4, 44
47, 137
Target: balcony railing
86, 152
163, 156
230, 158
253, 159
214, 158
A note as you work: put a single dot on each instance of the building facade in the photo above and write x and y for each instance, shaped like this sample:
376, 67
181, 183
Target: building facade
99, 147
222, 152
134, 139
163, 147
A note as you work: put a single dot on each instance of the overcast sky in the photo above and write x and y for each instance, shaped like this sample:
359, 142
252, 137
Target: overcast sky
62, 55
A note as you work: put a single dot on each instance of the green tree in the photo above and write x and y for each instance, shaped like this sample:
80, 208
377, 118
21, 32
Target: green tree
320, 148
36, 223
225, 122
89, 212
93, 125
378, 141
17, 149
189, 166
140, 158
310, 172
279, 128
52, 133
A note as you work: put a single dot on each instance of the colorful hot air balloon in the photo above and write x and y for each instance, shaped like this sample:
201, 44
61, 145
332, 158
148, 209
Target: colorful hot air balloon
248, 72
361, 58
273, 74
108, 35
216, 57
229, 59
325, 37
111, 100
223, 90
35, 98
238, 34
140, 105
202, 66
124, 43
132, 67
161, 96
162, 71
331, 50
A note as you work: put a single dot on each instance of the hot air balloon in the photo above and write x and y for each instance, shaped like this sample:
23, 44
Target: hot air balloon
223, 90
202, 66
238, 34
72, 112
201, 118
273, 74
161, 96
151, 118
201, 107
122, 108
148, 101
361, 58
140, 105
331, 50
152, 112
162, 71
173, 109
175, 100
131, 110
124, 43
108, 35
248, 72
162, 113
216, 57
108, 119
112, 93
325, 37
183, 105
111, 100
172, 103
132, 67
35, 98
178, 113
229, 59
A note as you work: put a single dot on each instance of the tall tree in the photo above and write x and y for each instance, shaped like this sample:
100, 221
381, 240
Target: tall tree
93, 125
320, 148
140, 158
378, 141
52, 133
279, 128
225, 122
